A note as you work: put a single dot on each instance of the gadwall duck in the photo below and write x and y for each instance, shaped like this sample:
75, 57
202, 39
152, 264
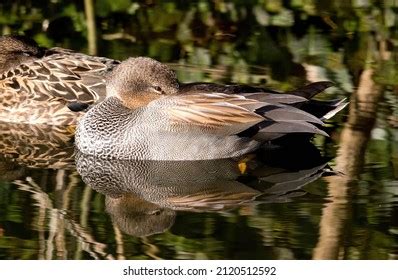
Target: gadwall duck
47, 86
146, 117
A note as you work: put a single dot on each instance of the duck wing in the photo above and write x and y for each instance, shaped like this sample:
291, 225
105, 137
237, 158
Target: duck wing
306, 92
310, 90
226, 114
108, 62
67, 76
214, 113
300, 98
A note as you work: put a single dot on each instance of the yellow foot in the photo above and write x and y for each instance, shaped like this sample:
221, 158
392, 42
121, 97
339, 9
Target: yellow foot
242, 164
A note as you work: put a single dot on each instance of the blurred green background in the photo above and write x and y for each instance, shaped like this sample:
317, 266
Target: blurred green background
276, 38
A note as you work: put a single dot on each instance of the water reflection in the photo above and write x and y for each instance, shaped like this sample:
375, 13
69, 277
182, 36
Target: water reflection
350, 160
37, 146
142, 197
39, 162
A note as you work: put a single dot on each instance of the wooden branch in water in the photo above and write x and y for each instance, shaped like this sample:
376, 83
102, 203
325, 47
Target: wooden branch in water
350, 159
119, 242
333, 220
96, 249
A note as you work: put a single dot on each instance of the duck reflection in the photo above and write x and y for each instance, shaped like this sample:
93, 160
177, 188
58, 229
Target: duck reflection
142, 197
37, 162
36, 146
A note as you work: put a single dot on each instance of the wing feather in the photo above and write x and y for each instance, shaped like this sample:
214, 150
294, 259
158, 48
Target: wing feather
63, 75
226, 114
219, 113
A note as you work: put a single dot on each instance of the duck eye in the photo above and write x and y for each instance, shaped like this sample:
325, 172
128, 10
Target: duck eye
156, 212
158, 89
27, 53
24, 53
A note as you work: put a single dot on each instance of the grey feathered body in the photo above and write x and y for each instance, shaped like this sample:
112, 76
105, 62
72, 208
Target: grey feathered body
110, 130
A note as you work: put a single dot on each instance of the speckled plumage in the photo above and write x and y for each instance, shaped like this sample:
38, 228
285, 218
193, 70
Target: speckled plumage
110, 130
148, 117
37, 84
142, 196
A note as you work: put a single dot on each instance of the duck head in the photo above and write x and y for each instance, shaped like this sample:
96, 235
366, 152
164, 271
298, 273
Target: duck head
140, 80
16, 49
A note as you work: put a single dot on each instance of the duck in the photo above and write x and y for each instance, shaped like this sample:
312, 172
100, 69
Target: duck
48, 86
149, 115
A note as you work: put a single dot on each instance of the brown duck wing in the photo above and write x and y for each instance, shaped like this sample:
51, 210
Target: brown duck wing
225, 114
280, 98
68, 77
300, 98
214, 113
107, 62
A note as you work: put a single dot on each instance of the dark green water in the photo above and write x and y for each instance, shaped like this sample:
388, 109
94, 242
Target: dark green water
280, 205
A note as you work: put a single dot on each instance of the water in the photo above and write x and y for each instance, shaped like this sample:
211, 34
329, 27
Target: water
282, 204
